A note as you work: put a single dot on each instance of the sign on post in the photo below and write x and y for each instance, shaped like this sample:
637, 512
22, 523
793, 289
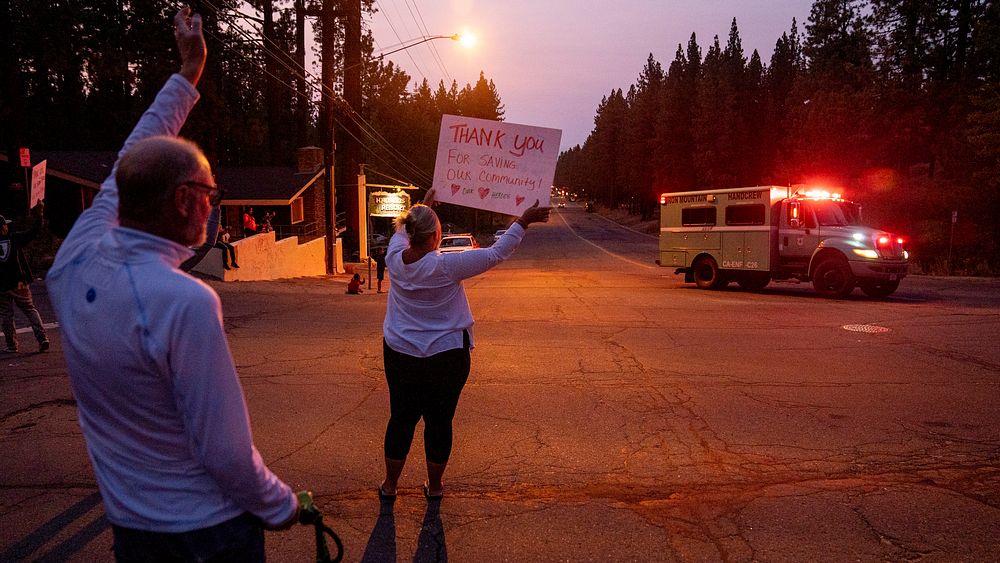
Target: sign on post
388, 204
37, 184
25, 158
494, 165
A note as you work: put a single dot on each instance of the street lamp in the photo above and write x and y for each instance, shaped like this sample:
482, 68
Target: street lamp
467, 40
462, 39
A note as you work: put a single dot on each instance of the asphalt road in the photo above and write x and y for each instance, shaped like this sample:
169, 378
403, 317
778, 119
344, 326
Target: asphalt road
614, 413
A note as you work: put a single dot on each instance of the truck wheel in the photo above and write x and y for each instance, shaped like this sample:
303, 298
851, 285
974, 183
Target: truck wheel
833, 277
707, 274
754, 281
879, 288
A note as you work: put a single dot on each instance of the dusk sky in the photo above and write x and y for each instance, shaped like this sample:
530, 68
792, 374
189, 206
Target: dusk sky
553, 60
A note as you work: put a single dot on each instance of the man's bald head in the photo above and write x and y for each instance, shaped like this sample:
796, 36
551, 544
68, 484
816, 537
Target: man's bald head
150, 171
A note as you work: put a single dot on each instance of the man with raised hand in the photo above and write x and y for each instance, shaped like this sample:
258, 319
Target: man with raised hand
160, 403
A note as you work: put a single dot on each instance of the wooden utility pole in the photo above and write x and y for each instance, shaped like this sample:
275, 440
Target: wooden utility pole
352, 95
301, 99
12, 131
271, 91
328, 17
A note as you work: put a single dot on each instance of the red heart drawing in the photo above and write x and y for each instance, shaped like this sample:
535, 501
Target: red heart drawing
519, 199
455, 188
483, 192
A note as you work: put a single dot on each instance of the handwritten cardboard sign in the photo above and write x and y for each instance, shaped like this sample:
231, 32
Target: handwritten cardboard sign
494, 165
37, 183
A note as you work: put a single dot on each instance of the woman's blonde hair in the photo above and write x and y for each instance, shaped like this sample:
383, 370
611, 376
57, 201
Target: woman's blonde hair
420, 222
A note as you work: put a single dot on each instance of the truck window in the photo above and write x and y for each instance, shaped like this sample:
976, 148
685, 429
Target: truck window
745, 214
837, 214
808, 216
697, 216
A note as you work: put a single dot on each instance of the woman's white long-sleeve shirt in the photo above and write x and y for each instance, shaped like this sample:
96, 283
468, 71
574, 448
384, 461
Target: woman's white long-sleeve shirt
428, 309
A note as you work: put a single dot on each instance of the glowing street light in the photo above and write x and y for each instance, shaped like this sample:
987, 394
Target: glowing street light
466, 40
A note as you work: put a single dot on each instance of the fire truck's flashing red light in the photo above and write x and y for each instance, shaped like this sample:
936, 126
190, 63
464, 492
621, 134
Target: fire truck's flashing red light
663, 199
821, 194
885, 240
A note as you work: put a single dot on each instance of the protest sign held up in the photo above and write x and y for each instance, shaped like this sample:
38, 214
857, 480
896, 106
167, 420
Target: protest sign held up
37, 184
494, 165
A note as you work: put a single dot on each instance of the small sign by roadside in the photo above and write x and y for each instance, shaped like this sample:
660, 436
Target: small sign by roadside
37, 184
25, 158
954, 216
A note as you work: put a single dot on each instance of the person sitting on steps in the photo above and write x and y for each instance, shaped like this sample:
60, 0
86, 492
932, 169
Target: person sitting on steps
222, 243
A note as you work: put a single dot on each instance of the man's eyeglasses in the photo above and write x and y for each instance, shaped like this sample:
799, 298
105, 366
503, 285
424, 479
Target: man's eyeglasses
214, 192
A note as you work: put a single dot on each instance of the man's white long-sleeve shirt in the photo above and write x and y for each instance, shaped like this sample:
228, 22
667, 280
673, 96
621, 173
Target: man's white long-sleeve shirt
427, 309
160, 403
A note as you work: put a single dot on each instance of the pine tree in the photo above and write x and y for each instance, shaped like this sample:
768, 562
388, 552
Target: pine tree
832, 128
645, 101
674, 155
481, 101
602, 149
780, 79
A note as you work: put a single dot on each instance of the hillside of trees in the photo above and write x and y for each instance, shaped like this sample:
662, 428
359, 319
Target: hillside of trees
76, 75
896, 102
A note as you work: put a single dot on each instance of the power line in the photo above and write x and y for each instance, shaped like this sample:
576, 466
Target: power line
426, 32
393, 28
324, 90
375, 153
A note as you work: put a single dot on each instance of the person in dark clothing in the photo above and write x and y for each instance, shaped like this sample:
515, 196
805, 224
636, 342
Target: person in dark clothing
222, 243
380, 267
15, 278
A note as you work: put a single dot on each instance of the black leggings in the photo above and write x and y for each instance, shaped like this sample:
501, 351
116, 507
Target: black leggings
425, 388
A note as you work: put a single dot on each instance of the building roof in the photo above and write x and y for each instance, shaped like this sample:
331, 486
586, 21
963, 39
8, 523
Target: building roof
251, 185
263, 185
87, 168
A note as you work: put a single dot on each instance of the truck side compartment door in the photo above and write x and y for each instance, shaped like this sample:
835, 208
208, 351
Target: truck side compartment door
732, 250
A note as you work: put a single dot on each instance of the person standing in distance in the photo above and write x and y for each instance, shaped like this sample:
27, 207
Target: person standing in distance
160, 404
249, 223
428, 335
380, 267
15, 281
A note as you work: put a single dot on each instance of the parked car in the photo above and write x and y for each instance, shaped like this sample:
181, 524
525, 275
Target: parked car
458, 243
498, 234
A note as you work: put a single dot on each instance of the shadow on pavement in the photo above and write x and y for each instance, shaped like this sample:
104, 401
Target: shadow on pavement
71, 545
431, 545
382, 541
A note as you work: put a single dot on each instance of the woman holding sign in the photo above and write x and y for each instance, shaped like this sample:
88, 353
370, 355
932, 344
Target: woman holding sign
428, 335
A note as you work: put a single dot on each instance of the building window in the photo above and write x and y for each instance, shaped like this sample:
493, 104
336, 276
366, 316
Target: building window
698, 216
745, 214
298, 215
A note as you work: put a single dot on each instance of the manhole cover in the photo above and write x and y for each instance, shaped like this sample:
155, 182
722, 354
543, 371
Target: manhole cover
867, 329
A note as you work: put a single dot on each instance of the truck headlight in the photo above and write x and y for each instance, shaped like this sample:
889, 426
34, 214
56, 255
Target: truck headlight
866, 253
